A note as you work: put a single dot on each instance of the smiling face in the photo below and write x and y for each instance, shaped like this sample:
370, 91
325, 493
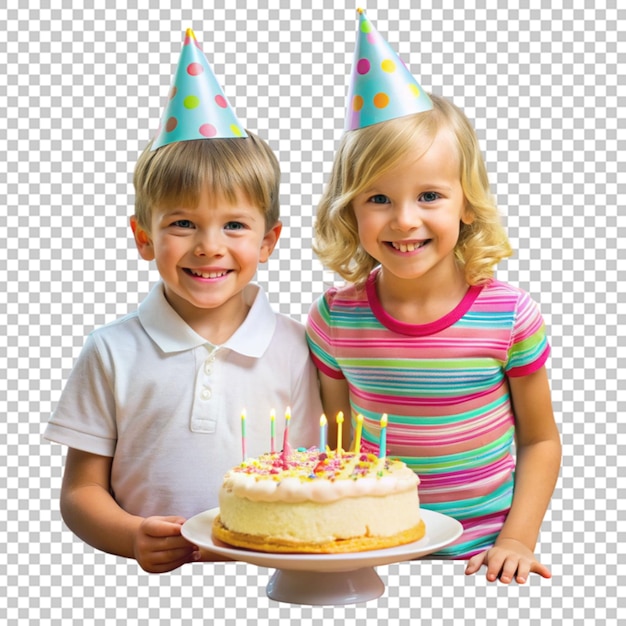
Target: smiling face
206, 255
409, 218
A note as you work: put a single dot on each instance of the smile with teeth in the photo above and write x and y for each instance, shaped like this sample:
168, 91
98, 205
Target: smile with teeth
207, 274
411, 246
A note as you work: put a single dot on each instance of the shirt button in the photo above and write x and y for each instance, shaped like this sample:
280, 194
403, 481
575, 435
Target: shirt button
206, 393
208, 366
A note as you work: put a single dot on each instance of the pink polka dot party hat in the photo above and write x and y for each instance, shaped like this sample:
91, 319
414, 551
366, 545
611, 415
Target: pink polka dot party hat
197, 107
381, 86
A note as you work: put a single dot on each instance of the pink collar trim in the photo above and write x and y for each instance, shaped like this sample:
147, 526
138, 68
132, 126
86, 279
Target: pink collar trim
418, 330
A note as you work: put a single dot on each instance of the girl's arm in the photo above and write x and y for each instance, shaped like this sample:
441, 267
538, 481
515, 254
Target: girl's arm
92, 514
538, 447
336, 397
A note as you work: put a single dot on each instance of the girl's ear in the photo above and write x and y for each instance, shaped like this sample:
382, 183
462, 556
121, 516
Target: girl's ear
142, 240
468, 216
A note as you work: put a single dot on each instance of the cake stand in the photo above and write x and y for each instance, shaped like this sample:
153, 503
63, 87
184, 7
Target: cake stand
326, 579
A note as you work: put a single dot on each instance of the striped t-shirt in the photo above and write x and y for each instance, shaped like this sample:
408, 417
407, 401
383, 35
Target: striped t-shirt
444, 388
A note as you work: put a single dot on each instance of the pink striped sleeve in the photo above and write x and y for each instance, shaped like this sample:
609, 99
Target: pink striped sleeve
319, 336
529, 349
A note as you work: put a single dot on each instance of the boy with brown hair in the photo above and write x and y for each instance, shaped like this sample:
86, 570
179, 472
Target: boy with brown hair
151, 412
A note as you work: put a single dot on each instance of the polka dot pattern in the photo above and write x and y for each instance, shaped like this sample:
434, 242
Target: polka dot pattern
197, 107
208, 130
191, 102
388, 66
381, 100
195, 69
382, 88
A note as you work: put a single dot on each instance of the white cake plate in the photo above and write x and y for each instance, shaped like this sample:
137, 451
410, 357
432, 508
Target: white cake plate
326, 579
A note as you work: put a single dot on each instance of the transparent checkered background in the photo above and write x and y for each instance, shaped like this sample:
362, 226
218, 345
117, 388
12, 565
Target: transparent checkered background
81, 93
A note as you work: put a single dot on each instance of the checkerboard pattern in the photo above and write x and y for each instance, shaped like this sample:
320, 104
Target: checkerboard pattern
81, 93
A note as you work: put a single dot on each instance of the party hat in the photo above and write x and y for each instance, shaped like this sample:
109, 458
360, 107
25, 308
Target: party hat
381, 87
197, 107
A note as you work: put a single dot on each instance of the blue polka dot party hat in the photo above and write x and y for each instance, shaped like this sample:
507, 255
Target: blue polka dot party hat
381, 87
197, 107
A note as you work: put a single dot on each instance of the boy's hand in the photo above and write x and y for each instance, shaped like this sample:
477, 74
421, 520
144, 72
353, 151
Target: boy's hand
508, 559
159, 547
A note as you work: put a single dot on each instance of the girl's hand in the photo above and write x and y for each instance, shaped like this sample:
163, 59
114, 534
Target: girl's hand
508, 559
159, 546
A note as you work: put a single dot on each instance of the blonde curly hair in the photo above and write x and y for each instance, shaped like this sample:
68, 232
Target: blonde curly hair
367, 153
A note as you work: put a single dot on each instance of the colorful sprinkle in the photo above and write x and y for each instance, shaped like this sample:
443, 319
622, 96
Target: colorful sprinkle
310, 465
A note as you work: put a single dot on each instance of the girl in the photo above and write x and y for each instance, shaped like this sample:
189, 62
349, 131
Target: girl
425, 333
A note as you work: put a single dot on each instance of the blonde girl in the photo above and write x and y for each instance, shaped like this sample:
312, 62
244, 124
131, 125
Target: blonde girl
425, 333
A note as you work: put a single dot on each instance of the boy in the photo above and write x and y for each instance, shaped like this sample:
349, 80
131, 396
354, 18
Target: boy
151, 412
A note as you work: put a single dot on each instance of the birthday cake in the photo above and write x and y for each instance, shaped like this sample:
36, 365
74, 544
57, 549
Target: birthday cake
312, 502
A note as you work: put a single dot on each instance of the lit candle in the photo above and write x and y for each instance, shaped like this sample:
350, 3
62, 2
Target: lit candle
382, 446
323, 433
286, 433
357, 436
339, 432
243, 434
272, 431
286, 449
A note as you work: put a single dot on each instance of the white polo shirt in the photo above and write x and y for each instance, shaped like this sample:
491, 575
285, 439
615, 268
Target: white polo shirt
166, 404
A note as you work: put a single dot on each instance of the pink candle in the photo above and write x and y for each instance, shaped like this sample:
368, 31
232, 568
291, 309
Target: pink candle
286, 449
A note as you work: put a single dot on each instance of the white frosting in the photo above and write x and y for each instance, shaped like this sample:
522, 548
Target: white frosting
301, 484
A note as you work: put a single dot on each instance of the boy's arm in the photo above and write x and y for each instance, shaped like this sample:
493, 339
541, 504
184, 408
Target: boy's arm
538, 461
336, 397
92, 514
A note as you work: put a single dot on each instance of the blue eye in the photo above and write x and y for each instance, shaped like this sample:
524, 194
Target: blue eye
234, 226
183, 224
429, 196
379, 198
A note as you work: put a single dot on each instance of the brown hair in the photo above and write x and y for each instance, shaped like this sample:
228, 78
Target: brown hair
176, 174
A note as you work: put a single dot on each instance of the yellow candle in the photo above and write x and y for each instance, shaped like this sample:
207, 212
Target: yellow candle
357, 436
339, 432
